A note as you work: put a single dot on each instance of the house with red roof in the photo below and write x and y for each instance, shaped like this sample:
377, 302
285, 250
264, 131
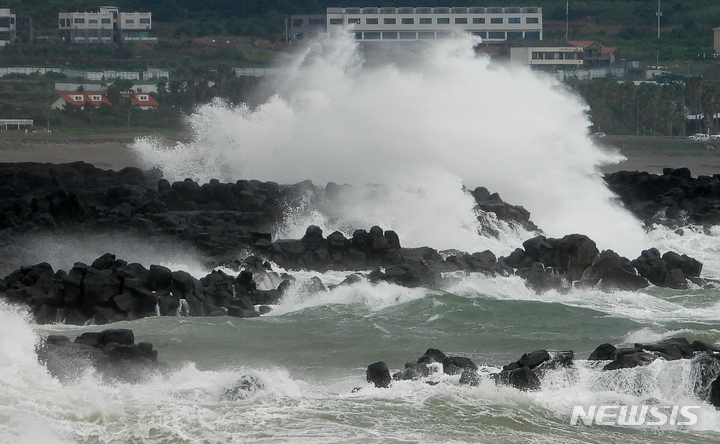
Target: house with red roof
79, 99
143, 100
594, 54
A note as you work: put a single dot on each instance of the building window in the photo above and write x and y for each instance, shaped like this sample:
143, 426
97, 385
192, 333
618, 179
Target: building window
425, 21
391, 35
514, 35
423, 10
144, 21
405, 10
407, 21
79, 20
407, 35
105, 21
336, 21
481, 34
569, 56
299, 36
372, 35
496, 20
443, 21
443, 34
460, 21
105, 32
353, 21
496, 35
549, 56
389, 21
95, 98
370, 11
79, 33
536, 55
478, 20
514, 20
426, 35
371, 21
62, 23
297, 23
129, 21
316, 22
442, 10
459, 10
531, 20
532, 35
387, 10
93, 33
92, 21
358, 35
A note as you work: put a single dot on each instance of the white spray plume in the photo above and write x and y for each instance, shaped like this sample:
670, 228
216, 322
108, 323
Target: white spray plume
422, 127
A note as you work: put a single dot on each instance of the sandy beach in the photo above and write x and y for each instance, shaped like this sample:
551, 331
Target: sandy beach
115, 154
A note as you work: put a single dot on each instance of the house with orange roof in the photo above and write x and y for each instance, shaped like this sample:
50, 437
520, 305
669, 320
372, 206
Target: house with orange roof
79, 99
143, 101
594, 54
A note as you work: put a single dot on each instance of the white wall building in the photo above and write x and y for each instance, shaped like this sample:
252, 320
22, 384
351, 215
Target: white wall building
109, 25
551, 56
8, 27
494, 25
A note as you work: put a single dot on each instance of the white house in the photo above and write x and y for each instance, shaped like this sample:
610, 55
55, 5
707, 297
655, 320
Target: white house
551, 56
109, 25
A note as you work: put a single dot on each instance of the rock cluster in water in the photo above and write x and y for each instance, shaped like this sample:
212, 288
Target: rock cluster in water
111, 290
527, 373
112, 354
219, 219
674, 198
222, 220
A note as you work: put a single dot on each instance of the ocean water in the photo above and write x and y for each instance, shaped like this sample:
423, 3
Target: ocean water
417, 130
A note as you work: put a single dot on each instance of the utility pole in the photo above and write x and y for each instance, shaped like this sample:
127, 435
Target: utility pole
659, 14
567, 18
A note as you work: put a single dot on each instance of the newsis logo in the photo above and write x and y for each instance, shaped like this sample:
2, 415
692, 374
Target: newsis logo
654, 415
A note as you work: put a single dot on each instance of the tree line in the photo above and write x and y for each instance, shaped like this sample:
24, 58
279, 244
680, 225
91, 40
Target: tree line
645, 108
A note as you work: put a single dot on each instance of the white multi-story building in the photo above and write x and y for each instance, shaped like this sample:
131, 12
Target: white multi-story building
109, 25
8, 27
372, 24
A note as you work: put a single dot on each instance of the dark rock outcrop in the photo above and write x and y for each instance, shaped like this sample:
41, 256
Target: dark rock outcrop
113, 354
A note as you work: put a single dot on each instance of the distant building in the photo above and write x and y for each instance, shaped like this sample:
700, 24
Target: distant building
142, 100
105, 27
376, 25
79, 99
8, 27
550, 56
595, 55
716, 32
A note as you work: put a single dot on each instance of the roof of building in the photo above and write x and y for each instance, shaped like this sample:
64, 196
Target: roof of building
135, 99
583, 43
85, 98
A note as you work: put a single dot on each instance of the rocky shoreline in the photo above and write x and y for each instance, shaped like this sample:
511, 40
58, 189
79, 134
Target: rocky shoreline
225, 221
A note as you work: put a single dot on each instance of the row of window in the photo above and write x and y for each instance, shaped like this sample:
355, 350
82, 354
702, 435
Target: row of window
105, 21
92, 33
537, 55
442, 10
413, 35
426, 21
5, 22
